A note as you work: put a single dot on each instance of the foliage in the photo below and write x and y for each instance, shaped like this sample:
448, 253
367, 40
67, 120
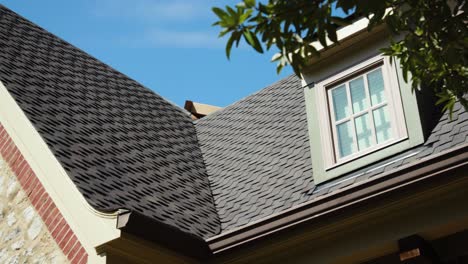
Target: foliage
433, 52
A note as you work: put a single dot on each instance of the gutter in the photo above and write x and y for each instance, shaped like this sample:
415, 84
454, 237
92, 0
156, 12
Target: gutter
416, 172
423, 171
152, 230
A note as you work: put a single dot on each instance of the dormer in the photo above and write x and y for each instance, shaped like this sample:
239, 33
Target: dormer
359, 108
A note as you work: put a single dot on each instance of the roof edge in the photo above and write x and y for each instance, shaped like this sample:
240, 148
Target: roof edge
405, 175
152, 230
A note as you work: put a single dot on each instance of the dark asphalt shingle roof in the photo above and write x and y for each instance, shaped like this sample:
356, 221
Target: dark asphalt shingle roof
257, 154
126, 147
121, 144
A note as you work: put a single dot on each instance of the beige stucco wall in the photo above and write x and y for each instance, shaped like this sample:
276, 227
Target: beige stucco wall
23, 236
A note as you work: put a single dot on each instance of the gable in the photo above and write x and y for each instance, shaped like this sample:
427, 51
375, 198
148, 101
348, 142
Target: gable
122, 145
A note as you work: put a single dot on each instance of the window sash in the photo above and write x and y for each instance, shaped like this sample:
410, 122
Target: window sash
392, 101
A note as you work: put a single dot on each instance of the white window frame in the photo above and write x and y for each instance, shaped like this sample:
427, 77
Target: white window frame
325, 110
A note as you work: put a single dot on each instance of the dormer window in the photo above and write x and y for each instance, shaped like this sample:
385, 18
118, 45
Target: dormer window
358, 115
363, 105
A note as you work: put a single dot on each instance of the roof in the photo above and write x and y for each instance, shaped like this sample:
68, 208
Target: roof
126, 147
257, 154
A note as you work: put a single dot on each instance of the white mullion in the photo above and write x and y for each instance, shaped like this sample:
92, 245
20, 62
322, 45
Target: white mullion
370, 110
348, 95
367, 110
378, 105
344, 120
335, 137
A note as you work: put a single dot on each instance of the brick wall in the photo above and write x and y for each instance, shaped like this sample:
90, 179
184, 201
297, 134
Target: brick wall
32, 229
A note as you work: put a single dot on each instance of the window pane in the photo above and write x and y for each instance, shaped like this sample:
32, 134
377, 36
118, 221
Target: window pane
363, 131
358, 94
376, 86
345, 138
340, 102
382, 124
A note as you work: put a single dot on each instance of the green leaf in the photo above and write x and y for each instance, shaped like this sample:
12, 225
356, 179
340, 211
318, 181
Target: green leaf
279, 67
219, 12
235, 36
244, 16
252, 40
229, 46
223, 32
231, 11
419, 32
249, 3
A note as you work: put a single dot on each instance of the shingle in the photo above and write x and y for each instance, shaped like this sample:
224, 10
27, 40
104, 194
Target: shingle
107, 130
270, 131
263, 140
126, 147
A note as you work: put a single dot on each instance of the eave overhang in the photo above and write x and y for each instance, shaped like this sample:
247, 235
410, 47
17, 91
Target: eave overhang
172, 238
424, 171
436, 169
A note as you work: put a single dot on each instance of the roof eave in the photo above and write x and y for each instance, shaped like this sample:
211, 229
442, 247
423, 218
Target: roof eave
416, 172
154, 231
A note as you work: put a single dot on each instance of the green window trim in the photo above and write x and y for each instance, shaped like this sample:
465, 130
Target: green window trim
412, 137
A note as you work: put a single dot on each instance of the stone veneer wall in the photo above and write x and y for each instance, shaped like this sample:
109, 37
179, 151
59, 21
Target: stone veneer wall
32, 229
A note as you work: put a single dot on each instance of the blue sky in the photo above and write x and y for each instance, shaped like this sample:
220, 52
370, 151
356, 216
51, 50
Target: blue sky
167, 45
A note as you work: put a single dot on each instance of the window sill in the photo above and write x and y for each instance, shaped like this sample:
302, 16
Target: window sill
365, 153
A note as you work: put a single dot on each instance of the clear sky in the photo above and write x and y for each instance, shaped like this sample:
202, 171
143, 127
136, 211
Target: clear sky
166, 45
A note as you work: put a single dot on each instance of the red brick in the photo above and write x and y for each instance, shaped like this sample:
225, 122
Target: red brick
12, 155
6, 143
46, 206
23, 170
20, 168
42, 200
7, 149
36, 194
60, 225
69, 246
3, 143
64, 237
74, 250
55, 220
15, 159
51, 216
78, 256
3, 136
83, 259
30, 183
17, 163
29, 175
25, 175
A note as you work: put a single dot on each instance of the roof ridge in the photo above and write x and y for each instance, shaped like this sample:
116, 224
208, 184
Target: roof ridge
111, 68
240, 101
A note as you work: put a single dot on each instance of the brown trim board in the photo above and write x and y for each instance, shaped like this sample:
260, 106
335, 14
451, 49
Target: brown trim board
388, 182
